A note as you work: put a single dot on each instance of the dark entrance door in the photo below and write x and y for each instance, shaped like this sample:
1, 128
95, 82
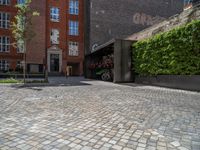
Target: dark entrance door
73, 69
54, 65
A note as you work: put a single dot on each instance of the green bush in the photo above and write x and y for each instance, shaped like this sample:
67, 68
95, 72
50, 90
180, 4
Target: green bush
176, 52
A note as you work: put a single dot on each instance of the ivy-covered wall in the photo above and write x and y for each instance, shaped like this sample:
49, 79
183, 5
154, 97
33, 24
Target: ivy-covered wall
176, 52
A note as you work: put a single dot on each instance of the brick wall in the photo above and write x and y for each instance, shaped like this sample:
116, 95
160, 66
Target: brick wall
64, 37
42, 25
37, 46
12, 56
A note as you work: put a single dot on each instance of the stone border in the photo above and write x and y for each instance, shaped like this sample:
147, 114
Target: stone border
185, 82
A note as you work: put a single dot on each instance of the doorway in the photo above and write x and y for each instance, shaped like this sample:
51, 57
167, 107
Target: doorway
69, 70
54, 62
73, 69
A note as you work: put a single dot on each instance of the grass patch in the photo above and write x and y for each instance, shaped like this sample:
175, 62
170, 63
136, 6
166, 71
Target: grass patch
11, 80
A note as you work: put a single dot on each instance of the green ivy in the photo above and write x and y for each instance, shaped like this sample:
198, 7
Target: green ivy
176, 52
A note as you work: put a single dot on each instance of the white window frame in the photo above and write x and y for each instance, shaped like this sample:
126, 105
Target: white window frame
4, 20
4, 65
4, 2
73, 28
73, 48
73, 7
5, 45
51, 37
55, 14
20, 1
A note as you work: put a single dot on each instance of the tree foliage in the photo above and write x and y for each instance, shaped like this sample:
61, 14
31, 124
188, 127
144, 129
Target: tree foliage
176, 52
22, 27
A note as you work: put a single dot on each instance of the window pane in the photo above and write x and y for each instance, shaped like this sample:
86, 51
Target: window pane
54, 14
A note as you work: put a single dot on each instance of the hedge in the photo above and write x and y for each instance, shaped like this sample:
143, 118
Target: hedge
176, 52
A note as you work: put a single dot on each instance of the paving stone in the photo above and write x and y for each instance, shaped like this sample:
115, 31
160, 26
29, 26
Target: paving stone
161, 148
182, 148
117, 147
98, 115
142, 145
107, 145
87, 148
175, 143
140, 148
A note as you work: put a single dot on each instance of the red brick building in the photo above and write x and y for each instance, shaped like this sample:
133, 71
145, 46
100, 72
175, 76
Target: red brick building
59, 40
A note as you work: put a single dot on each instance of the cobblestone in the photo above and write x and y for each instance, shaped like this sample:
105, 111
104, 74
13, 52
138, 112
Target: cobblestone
83, 114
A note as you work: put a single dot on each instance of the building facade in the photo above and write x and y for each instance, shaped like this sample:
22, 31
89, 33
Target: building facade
65, 36
58, 44
108, 19
9, 56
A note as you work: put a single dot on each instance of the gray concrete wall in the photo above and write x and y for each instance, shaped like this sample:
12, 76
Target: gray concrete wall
110, 19
172, 81
169, 24
123, 61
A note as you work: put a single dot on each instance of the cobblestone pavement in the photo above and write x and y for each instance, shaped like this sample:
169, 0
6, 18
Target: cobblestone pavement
98, 115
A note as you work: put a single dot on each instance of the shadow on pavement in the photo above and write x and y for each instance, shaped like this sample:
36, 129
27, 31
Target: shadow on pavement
131, 84
54, 82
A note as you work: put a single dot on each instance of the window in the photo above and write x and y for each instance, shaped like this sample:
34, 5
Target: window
19, 65
54, 14
4, 65
54, 36
4, 2
73, 28
20, 47
73, 7
4, 44
4, 20
73, 49
20, 1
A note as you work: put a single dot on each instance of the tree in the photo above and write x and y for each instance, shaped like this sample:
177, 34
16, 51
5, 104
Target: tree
22, 29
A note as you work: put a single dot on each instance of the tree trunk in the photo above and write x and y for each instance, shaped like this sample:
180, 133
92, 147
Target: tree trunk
24, 70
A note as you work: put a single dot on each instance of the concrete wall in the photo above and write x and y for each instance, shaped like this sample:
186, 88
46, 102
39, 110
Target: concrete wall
172, 81
120, 18
122, 61
169, 24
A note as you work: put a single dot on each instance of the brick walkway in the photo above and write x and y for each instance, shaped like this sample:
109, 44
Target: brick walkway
98, 115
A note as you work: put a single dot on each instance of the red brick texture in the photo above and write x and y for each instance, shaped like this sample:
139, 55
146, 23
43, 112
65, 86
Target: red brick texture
12, 56
37, 46
63, 27
42, 25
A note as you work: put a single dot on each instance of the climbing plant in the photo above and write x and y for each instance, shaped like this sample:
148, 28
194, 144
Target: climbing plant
176, 52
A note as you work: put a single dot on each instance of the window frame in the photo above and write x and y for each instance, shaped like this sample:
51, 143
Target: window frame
4, 20
73, 28
5, 2
73, 48
55, 14
4, 65
20, 1
74, 7
58, 40
5, 45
